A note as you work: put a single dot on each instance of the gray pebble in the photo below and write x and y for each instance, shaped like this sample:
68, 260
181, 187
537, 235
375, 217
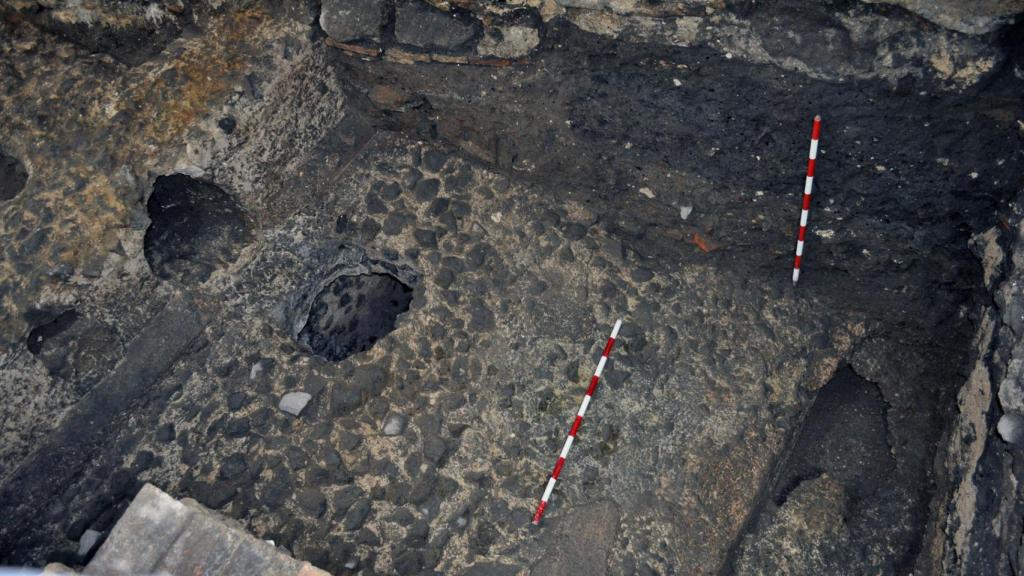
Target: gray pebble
434, 160
1011, 428
425, 238
312, 502
416, 535
294, 402
394, 424
641, 274
438, 206
391, 191
345, 498
434, 449
87, 543
357, 515
394, 223
374, 205
426, 190
575, 231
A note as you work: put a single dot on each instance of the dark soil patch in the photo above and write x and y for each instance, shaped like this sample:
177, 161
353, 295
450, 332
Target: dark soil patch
844, 436
42, 334
196, 228
12, 177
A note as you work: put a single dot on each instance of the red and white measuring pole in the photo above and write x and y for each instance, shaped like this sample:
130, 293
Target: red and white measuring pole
576, 424
808, 184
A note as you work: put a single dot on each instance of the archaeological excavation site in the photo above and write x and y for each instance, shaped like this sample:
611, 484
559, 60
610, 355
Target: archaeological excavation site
512, 287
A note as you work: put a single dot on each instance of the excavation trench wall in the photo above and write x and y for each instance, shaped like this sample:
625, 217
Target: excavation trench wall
982, 523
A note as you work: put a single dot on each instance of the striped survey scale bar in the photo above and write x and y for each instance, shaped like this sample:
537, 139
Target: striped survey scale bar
576, 424
808, 184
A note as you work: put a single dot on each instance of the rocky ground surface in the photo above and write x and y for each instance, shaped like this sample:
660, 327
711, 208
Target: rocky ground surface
341, 270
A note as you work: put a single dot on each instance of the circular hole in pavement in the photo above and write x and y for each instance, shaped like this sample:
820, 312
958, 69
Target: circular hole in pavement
195, 228
353, 312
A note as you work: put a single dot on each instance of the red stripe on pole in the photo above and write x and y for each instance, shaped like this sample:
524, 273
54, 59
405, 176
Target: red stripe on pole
608, 347
810, 166
576, 425
796, 262
807, 202
540, 512
575, 428
803, 233
558, 468
816, 130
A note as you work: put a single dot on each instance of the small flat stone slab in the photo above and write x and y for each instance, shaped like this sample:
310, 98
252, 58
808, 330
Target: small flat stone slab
294, 402
88, 542
394, 425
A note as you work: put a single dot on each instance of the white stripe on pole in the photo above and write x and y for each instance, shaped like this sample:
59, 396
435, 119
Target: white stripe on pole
547, 491
583, 407
566, 447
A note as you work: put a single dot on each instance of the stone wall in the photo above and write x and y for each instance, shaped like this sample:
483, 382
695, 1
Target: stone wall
826, 40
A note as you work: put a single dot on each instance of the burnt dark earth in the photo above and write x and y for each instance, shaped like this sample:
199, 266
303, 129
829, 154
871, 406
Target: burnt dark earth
428, 219
196, 228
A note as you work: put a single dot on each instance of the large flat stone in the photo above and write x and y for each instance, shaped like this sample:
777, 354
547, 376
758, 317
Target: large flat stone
160, 535
352, 20
423, 26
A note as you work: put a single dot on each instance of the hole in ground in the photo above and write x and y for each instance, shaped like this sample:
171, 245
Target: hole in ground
352, 313
196, 228
41, 334
12, 176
